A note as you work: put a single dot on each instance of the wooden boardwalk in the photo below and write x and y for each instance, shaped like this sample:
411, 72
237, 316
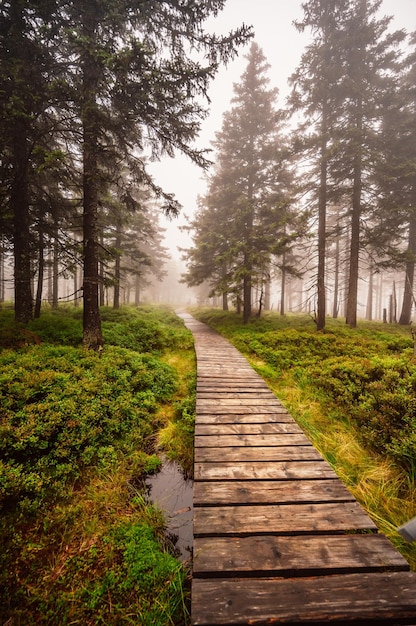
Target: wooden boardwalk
278, 539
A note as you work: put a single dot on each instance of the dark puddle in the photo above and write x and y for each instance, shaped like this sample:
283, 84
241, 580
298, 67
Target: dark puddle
171, 492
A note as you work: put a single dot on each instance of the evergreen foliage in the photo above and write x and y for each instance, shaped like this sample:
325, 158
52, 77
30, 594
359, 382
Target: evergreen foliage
243, 220
88, 87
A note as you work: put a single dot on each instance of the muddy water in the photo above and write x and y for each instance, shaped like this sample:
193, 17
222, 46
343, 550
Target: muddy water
171, 492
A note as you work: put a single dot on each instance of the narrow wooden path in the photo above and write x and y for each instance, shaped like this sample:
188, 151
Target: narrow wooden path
278, 539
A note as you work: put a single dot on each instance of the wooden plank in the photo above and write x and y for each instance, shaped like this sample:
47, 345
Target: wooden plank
308, 555
387, 598
263, 471
270, 492
215, 366
243, 394
248, 429
252, 454
243, 409
281, 518
278, 417
247, 402
257, 440
212, 384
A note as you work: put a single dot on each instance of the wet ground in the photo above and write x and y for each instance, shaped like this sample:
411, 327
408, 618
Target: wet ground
171, 492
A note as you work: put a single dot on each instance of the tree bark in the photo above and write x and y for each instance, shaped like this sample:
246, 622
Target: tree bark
41, 271
19, 201
92, 336
369, 312
335, 306
55, 274
408, 297
117, 270
321, 304
283, 286
351, 317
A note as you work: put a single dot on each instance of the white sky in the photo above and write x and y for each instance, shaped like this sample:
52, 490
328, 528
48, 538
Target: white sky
282, 46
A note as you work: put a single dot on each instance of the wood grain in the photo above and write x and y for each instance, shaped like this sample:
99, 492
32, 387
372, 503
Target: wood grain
281, 518
270, 492
311, 555
382, 598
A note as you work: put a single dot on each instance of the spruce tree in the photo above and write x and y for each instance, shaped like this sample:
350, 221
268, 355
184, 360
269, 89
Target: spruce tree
249, 187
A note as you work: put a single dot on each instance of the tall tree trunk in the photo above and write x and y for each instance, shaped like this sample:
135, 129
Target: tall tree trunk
76, 299
19, 201
369, 312
351, 317
247, 294
137, 290
19, 189
2, 272
408, 297
117, 270
41, 271
283, 286
335, 306
224, 301
393, 304
92, 336
55, 274
321, 305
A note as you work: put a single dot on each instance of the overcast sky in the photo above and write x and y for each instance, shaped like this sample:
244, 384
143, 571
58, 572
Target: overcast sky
282, 45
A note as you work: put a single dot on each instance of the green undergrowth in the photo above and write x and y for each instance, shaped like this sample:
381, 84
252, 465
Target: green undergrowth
353, 391
79, 541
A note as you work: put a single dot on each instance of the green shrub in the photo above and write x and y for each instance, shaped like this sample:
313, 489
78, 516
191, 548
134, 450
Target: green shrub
61, 409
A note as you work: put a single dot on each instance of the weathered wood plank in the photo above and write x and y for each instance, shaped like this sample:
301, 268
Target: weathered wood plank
219, 369
270, 492
277, 417
252, 454
246, 402
300, 470
387, 598
213, 384
305, 555
243, 409
248, 429
242, 394
257, 440
325, 517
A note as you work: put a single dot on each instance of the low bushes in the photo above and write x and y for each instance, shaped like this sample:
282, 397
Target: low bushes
79, 541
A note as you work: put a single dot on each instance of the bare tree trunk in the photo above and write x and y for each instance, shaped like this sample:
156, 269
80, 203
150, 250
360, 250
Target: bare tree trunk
55, 275
335, 305
117, 269
283, 286
21, 232
408, 297
41, 271
2, 273
92, 336
369, 312
351, 317
321, 304
137, 291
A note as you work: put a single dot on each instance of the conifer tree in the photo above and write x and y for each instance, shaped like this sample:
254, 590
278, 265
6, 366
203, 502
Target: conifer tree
244, 210
315, 93
344, 77
140, 86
